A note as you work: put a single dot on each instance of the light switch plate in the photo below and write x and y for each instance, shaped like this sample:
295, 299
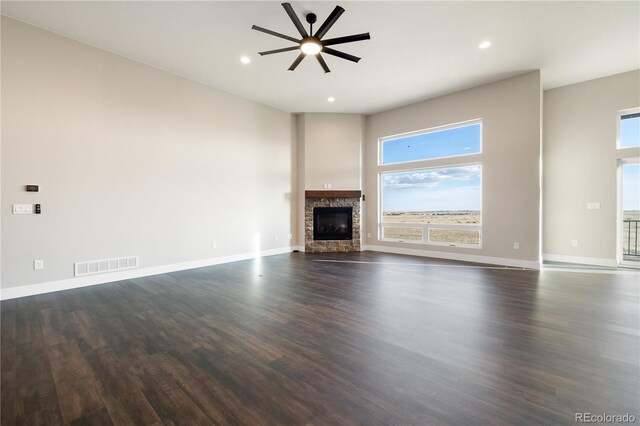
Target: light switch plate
38, 264
22, 209
593, 206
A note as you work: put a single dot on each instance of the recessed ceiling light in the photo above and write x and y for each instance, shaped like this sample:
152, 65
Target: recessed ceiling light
484, 44
331, 99
245, 59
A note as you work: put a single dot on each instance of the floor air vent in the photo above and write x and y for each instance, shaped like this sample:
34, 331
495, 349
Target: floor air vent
105, 265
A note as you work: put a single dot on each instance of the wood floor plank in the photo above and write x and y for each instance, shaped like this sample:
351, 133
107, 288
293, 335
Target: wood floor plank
8, 362
122, 395
36, 396
76, 386
340, 339
220, 404
97, 418
86, 334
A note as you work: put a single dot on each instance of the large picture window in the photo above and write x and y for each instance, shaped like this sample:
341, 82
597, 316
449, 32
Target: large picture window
433, 205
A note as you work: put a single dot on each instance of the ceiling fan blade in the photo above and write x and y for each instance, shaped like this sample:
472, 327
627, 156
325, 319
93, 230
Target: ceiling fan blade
294, 18
284, 49
323, 64
342, 55
297, 61
346, 39
326, 25
273, 33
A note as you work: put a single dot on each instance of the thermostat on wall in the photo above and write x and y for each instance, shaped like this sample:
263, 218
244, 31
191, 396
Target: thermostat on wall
33, 188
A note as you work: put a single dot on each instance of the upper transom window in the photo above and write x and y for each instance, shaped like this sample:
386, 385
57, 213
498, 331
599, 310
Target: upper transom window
629, 129
449, 141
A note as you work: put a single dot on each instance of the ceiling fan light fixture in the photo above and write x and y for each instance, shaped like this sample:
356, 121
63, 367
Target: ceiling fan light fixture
310, 43
310, 47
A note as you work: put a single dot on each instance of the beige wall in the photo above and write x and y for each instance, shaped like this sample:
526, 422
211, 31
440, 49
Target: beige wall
131, 161
332, 150
580, 163
511, 114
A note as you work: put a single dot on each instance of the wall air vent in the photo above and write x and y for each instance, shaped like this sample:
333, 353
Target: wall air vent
92, 267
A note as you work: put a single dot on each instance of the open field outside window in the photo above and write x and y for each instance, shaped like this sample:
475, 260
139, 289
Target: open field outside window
433, 206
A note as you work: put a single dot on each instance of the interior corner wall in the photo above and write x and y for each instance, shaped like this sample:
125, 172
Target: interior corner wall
580, 166
132, 161
300, 183
510, 110
329, 152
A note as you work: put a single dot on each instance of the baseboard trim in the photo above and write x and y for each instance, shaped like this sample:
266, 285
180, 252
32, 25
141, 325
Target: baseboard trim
595, 261
51, 286
517, 263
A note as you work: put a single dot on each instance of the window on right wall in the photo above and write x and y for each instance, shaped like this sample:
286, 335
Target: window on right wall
431, 186
629, 128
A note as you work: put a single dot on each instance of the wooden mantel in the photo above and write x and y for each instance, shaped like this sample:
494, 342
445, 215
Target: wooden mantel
332, 194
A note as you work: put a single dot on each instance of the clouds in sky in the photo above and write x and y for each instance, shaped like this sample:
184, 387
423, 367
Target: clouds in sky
454, 176
453, 188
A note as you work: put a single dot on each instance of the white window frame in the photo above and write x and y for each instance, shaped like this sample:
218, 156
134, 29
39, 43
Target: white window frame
472, 159
619, 120
467, 123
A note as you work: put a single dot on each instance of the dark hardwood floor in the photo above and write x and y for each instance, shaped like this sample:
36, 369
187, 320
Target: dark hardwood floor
298, 340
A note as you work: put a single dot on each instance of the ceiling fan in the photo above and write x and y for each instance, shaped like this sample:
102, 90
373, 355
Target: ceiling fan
313, 44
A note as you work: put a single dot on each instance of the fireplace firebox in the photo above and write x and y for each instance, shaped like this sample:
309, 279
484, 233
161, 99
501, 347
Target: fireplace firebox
332, 223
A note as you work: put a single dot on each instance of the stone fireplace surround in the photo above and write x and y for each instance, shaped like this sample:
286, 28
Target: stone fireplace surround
331, 199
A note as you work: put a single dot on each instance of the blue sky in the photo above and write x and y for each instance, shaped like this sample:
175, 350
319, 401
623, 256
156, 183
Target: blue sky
455, 188
631, 187
630, 132
444, 143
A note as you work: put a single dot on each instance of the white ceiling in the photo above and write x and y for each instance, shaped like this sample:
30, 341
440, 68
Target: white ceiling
417, 50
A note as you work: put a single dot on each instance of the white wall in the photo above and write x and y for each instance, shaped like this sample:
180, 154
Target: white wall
511, 114
131, 161
580, 162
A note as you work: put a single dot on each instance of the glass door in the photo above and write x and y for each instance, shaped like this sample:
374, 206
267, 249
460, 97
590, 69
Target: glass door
630, 214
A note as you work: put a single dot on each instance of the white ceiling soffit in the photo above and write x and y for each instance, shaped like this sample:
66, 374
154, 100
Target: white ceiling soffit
417, 50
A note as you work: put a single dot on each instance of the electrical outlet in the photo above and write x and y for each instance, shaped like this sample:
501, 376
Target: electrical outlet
516, 246
38, 264
574, 243
214, 245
